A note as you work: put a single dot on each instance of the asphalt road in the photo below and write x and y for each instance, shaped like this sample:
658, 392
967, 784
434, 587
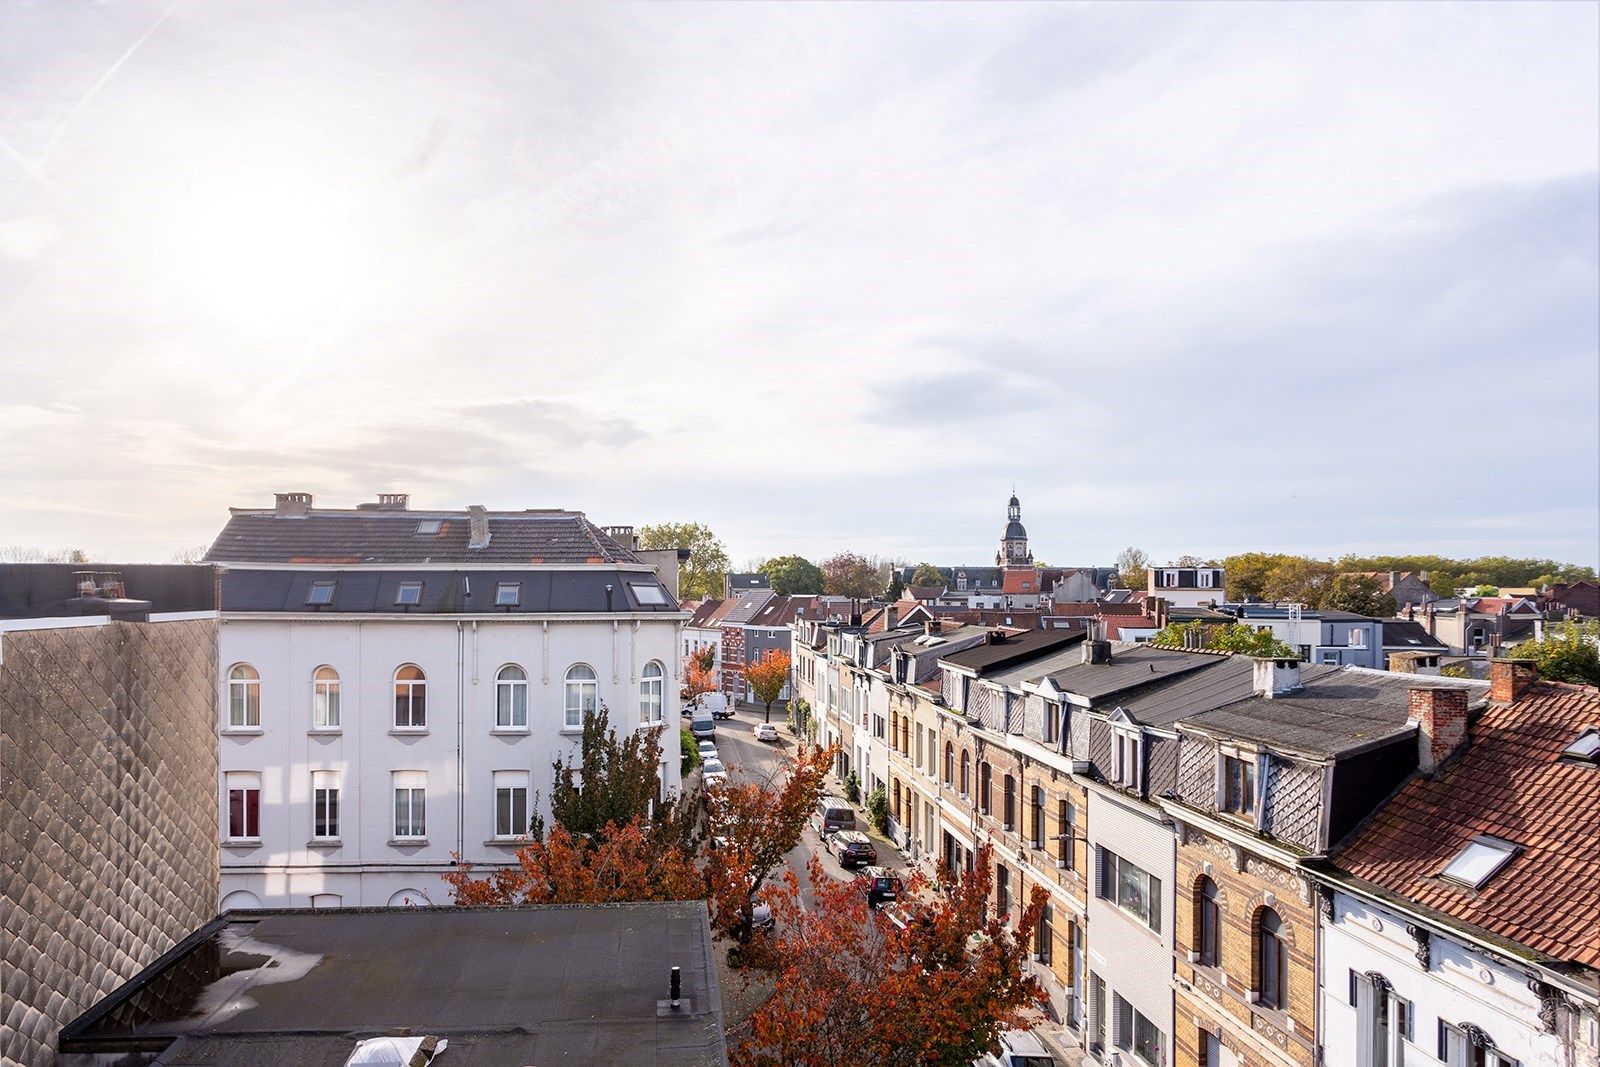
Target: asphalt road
750, 760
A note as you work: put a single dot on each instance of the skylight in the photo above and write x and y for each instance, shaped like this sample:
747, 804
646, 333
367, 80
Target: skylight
507, 594
429, 526
648, 594
1586, 748
408, 593
320, 593
1479, 861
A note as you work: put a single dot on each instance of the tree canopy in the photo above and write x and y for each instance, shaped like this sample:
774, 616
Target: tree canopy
1282, 576
852, 575
1568, 653
704, 573
1133, 568
767, 677
1360, 594
927, 574
793, 575
1235, 637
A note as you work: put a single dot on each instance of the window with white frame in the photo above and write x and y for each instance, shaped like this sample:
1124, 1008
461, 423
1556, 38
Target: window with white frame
1330, 657
507, 594
410, 698
1357, 637
511, 698
583, 693
1066, 830
325, 805
652, 687
1133, 1032
1053, 714
410, 805
408, 594
1239, 784
244, 805
1129, 887
1383, 1021
325, 698
321, 593
244, 697
1480, 860
510, 803
1126, 769
1466, 1045
1205, 579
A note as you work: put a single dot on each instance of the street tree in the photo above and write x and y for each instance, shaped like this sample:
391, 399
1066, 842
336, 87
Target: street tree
1567, 653
627, 863
1133, 568
1235, 637
851, 575
935, 991
699, 675
615, 783
767, 677
793, 575
704, 573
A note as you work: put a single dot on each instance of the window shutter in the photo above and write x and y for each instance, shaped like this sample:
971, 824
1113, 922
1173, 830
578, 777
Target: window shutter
1444, 1043
1155, 904
1352, 988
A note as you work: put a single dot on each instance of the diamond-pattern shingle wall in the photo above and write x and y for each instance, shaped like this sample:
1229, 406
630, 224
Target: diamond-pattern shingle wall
108, 813
1293, 806
1197, 771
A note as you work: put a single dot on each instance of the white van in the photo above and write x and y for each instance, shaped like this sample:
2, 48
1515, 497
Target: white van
702, 726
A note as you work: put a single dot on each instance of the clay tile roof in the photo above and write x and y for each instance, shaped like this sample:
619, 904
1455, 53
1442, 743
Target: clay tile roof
1020, 581
1509, 783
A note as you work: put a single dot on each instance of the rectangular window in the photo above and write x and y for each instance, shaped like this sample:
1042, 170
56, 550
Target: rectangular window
410, 804
1330, 658
244, 805
1358, 638
1043, 937
1383, 1022
1066, 825
320, 593
1125, 760
507, 594
1002, 893
325, 805
510, 803
1131, 888
408, 594
1457, 1049
651, 595
1238, 785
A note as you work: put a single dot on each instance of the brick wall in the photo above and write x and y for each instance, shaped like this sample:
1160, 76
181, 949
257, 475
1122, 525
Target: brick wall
108, 813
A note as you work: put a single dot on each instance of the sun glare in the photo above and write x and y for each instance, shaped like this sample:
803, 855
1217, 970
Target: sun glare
267, 257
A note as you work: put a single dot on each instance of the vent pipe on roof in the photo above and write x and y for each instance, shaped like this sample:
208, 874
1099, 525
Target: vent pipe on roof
478, 527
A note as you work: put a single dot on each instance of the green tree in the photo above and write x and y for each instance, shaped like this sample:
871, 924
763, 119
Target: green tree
704, 573
1248, 574
927, 574
897, 587
1360, 594
615, 783
689, 749
1569, 653
1133, 569
1235, 637
878, 810
848, 574
793, 575
1300, 580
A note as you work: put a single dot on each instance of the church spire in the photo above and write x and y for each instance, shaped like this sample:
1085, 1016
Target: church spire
1014, 544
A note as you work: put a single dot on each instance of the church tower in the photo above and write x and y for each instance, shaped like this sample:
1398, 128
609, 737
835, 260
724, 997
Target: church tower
1014, 545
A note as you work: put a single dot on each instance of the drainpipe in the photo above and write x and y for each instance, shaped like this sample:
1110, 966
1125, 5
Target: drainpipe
461, 698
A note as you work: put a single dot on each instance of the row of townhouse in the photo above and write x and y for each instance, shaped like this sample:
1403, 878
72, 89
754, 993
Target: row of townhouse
1250, 861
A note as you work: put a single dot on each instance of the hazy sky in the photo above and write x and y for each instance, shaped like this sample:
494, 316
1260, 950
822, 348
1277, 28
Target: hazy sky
1194, 278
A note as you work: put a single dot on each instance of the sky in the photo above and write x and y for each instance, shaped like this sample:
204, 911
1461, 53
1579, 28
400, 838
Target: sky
1194, 278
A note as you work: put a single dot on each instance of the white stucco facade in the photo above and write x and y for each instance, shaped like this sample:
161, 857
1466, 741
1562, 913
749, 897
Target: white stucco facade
458, 757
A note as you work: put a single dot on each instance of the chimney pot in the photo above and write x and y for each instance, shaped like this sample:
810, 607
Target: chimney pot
1509, 679
292, 505
1440, 713
394, 501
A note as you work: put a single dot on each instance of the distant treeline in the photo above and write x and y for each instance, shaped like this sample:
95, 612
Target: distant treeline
1310, 581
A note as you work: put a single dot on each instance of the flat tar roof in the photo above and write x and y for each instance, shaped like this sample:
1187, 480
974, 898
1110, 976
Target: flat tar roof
511, 986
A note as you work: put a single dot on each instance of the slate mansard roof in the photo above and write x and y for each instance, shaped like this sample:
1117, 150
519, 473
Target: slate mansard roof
447, 592
334, 536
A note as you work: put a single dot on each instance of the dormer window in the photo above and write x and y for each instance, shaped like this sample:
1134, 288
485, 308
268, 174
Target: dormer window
408, 594
1480, 861
1239, 785
1125, 761
507, 594
321, 593
429, 527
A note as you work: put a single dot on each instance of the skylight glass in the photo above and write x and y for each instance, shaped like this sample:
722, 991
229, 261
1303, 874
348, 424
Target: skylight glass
507, 594
429, 526
648, 594
408, 593
1478, 862
320, 593
1586, 747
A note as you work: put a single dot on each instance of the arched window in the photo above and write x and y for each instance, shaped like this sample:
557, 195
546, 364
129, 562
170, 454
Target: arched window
651, 685
244, 697
949, 763
410, 698
1207, 923
511, 698
1011, 803
966, 773
1269, 960
985, 782
325, 698
583, 692
1037, 819
408, 898
239, 899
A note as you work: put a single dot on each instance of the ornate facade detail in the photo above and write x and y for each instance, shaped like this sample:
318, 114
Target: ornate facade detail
1380, 983
1268, 1031
1475, 1035
1208, 987
1549, 1004
1211, 846
1421, 936
1325, 905
1272, 874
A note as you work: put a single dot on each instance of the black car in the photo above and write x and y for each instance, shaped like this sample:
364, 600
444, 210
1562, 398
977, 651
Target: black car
853, 848
883, 885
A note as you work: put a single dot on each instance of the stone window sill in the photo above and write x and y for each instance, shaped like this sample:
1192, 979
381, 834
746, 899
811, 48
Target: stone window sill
572, 731
507, 842
325, 842
241, 842
408, 731
510, 731
325, 731
407, 842
242, 731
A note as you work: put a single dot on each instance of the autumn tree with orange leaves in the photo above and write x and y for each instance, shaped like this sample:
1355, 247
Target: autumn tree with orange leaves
767, 677
699, 675
854, 987
755, 825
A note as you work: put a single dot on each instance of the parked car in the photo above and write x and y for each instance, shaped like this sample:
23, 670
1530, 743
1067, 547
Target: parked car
854, 848
833, 814
883, 886
713, 773
1018, 1048
765, 731
708, 750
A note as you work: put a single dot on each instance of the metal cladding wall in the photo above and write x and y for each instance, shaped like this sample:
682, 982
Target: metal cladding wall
108, 813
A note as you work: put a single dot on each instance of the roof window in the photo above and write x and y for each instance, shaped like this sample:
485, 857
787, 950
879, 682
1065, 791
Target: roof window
1480, 861
648, 594
507, 594
408, 594
321, 593
429, 526
1586, 749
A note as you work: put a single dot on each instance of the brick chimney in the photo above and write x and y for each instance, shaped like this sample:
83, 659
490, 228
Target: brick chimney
1440, 713
292, 505
1509, 679
1158, 608
891, 617
1414, 663
477, 526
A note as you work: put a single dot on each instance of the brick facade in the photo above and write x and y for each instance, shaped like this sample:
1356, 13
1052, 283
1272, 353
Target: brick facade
1217, 999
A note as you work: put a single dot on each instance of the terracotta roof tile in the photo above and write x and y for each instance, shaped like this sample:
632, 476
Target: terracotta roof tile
1510, 783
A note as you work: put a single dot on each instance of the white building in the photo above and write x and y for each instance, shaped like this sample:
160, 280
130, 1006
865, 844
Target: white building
1187, 585
396, 686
